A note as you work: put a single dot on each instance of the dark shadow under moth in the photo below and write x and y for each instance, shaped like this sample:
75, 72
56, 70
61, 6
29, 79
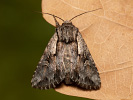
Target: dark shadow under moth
66, 59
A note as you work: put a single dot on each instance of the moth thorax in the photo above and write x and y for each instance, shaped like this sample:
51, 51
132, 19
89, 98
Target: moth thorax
66, 34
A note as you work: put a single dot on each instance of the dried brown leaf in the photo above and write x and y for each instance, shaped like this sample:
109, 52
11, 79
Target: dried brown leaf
108, 33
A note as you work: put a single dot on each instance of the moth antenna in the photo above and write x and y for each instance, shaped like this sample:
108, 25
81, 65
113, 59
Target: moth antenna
51, 15
56, 22
54, 16
84, 13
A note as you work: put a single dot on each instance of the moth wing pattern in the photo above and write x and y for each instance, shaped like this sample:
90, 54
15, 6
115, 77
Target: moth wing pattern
86, 74
46, 75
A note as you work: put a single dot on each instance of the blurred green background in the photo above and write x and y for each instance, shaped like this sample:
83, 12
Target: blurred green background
24, 35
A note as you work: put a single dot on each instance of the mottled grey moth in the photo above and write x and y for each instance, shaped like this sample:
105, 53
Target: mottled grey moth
66, 59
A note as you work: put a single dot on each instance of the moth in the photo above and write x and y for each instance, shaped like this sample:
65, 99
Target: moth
66, 59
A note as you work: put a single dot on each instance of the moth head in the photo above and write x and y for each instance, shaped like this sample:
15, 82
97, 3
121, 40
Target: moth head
67, 23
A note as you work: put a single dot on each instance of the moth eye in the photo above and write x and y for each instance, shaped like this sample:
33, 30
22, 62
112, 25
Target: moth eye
62, 29
56, 30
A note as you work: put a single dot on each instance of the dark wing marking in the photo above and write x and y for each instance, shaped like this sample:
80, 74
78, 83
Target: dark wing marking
86, 74
47, 75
